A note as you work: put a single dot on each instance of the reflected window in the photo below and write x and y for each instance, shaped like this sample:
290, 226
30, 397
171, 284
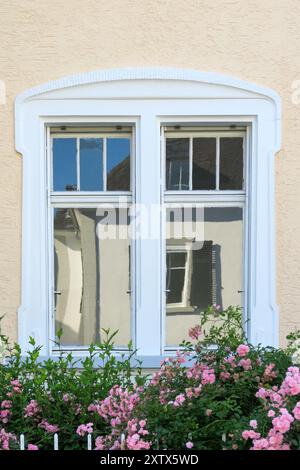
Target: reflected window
202, 273
231, 163
176, 276
177, 164
204, 161
118, 164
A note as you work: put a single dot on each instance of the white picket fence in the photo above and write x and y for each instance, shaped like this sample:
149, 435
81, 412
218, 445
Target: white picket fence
89, 441
22, 442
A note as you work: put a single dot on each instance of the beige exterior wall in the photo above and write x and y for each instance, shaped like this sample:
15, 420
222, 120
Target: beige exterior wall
256, 41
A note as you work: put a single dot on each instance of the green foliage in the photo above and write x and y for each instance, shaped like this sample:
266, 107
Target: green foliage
64, 388
223, 328
206, 394
293, 345
216, 418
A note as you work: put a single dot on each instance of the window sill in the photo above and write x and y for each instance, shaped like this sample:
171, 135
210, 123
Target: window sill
147, 362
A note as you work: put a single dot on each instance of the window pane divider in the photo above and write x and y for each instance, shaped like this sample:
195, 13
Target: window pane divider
78, 162
191, 163
93, 134
204, 133
217, 163
90, 200
104, 163
204, 198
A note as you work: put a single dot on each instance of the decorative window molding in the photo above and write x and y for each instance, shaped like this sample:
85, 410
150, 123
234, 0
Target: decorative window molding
148, 98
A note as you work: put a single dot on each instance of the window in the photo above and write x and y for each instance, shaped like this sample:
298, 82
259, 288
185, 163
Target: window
91, 269
91, 162
92, 266
203, 160
207, 165
102, 148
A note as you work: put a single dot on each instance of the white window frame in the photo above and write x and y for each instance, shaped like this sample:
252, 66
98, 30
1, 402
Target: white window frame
86, 199
214, 133
148, 98
208, 198
95, 135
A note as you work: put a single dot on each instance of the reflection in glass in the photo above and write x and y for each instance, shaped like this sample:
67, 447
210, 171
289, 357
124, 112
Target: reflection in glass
231, 163
177, 164
91, 165
118, 164
199, 274
204, 163
91, 274
176, 267
64, 165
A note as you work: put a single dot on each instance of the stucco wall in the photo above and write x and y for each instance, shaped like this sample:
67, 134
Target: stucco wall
257, 41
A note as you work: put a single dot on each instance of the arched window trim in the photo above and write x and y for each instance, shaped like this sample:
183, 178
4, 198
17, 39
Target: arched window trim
147, 95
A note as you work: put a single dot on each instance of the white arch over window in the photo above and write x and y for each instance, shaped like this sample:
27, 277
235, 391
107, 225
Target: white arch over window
147, 96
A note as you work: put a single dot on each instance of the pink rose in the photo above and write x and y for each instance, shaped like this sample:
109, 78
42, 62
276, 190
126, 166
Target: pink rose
32, 447
242, 350
195, 332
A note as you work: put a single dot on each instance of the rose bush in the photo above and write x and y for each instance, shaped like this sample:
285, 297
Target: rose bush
41, 397
218, 392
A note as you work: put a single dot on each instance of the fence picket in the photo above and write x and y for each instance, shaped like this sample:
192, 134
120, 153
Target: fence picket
22, 442
55, 441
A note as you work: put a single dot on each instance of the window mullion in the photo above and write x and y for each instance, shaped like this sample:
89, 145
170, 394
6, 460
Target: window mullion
78, 162
104, 163
191, 163
148, 248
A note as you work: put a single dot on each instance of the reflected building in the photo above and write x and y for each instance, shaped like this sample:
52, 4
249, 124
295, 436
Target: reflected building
92, 275
202, 274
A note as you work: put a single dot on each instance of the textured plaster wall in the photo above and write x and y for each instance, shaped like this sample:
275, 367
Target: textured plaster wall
42, 40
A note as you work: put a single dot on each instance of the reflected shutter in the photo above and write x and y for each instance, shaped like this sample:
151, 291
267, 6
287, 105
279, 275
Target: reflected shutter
202, 276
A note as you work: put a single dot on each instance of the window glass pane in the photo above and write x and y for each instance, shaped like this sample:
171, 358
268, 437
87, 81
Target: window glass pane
64, 165
212, 272
177, 164
175, 276
118, 164
177, 259
92, 274
231, 163
91, 164
204, 163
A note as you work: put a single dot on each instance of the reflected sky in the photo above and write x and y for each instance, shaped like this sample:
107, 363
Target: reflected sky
91, 164
64, 164
65, 177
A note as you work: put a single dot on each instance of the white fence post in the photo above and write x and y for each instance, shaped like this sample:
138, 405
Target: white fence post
122, 441
55, 443
89, 442
22, 442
